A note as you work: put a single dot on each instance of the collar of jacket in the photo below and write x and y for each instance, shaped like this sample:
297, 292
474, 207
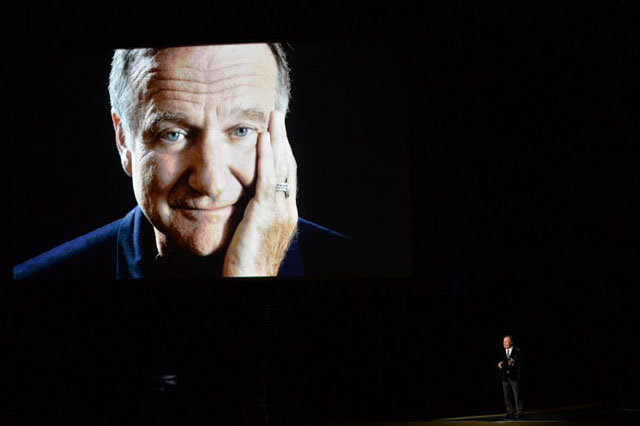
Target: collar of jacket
136, 250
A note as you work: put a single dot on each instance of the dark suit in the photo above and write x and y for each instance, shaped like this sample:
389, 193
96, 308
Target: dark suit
511, 376
126, 249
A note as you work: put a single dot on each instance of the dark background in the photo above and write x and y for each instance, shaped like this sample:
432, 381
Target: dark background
523, 205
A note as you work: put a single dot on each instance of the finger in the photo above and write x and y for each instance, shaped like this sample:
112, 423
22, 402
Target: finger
285, 146
266, 180
278, 141
293, 180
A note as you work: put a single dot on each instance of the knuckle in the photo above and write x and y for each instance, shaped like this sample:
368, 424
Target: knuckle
281, 170
269, 181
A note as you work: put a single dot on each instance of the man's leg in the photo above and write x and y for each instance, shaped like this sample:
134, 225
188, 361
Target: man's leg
508, 400
515, 385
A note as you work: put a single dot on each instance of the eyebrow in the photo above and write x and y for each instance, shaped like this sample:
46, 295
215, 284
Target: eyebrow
250, 114
159, 116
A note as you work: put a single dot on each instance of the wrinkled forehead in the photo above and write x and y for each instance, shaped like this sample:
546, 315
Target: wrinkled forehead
217, 71
226, 59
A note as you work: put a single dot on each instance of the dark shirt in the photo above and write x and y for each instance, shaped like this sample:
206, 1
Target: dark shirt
125, 249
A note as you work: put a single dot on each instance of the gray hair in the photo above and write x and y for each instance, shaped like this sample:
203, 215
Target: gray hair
129, 75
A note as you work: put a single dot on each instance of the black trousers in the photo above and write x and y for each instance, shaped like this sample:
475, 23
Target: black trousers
512, 396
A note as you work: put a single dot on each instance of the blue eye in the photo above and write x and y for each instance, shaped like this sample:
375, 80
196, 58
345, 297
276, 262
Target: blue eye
173, 136
241, 132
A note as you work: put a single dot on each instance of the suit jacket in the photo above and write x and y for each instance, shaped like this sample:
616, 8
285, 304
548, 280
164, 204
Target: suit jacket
125, 249
515, 371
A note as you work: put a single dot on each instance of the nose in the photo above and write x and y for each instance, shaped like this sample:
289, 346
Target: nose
209, 162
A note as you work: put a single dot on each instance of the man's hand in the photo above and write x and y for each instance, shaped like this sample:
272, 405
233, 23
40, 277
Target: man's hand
512, 361
500, 364
262, 238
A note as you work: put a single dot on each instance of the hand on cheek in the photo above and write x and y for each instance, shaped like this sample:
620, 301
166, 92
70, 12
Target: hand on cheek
261, 240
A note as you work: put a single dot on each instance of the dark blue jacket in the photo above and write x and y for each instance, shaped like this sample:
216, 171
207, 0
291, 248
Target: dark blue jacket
125, 249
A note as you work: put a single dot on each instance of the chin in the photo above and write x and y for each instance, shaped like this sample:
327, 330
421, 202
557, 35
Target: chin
198, 239
204, 251
206, 242
202, 247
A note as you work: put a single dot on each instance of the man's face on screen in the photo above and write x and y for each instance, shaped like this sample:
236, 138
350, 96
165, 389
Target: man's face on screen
194, 159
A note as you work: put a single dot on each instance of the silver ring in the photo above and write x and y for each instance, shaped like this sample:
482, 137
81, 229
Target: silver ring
284, 187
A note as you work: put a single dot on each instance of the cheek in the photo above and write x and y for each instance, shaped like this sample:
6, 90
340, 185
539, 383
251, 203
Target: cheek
244, 165
154, 175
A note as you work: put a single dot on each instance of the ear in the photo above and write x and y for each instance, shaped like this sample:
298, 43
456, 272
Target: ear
125, 152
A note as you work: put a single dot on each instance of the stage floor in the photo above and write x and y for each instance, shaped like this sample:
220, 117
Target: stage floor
583, 415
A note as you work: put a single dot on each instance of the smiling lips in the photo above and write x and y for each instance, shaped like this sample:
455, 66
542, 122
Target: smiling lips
199, 205
207, 209
204, 210
198, 213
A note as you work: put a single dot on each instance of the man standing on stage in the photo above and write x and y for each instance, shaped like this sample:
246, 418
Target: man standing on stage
510, 366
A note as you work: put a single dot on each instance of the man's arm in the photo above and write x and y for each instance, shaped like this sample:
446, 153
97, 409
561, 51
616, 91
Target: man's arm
516, 359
